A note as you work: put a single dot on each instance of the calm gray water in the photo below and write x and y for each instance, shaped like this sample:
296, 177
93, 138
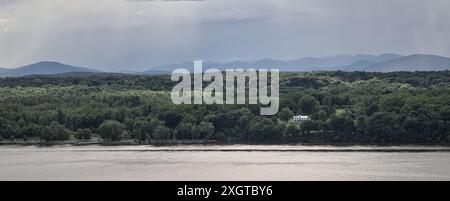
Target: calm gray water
236, 162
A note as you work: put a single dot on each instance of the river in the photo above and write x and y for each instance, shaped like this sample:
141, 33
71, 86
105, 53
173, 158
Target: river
228, 162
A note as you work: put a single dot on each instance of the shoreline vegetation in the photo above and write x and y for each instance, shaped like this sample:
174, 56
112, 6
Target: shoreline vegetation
360, 108
100, 142
214, 146
169, 143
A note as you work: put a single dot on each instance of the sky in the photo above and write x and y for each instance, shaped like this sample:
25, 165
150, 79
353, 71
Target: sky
125, 35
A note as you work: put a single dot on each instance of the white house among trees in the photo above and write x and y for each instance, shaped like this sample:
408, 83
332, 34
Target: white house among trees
300, 118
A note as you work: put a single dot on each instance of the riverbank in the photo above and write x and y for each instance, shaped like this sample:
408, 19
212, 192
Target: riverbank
220, 147
112, 143
200, 142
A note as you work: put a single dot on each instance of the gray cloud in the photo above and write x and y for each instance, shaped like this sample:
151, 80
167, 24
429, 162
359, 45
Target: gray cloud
118, 34
161, 0
6, 2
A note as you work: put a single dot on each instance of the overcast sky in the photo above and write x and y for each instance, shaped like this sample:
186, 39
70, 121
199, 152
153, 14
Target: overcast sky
137, 34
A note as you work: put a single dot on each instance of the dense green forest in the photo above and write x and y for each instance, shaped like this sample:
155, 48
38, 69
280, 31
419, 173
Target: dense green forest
345, 107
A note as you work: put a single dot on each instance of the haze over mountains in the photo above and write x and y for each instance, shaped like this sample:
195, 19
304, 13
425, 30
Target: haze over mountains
45, 68
416, 62
370, 63
340, 62
3, 70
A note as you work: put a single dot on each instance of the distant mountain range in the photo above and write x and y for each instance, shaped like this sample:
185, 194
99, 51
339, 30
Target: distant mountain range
370, 63
341, 62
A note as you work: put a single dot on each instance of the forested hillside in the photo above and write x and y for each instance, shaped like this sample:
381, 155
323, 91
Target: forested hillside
358, 107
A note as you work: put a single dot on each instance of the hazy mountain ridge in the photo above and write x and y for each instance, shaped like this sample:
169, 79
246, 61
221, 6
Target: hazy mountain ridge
153, 72
3, 70
45, 68
339, 62
370, 63
415, 62
358, 65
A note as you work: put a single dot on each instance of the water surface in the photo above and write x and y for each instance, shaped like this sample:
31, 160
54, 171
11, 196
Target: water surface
231, 162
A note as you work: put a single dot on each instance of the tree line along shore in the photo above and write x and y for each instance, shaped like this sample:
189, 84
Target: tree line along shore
344, 108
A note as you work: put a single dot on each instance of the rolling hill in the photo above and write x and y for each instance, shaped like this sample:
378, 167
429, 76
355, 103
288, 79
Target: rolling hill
359, 65
415, 62
45, 68
153, 72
